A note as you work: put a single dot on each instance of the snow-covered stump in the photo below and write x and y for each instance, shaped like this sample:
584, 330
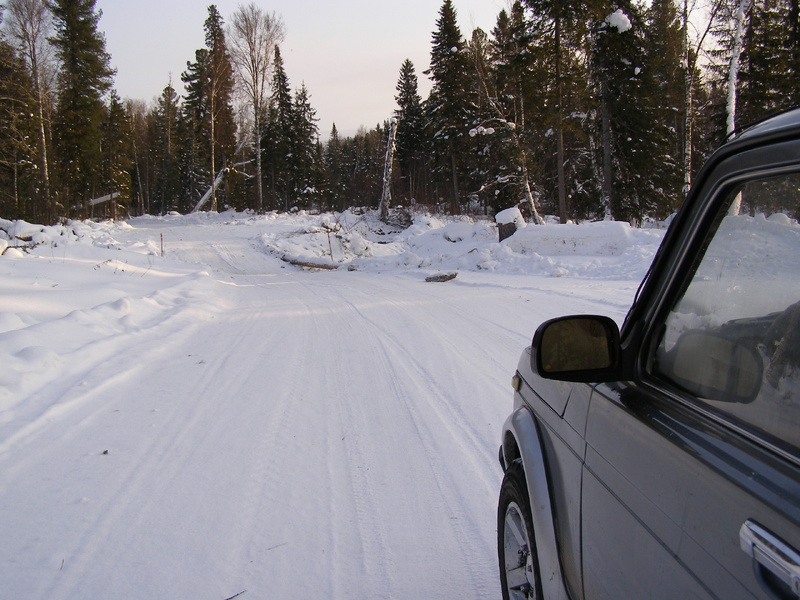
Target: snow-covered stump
508, 222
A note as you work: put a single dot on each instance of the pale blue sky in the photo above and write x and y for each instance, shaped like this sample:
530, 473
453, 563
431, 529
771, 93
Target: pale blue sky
348, 52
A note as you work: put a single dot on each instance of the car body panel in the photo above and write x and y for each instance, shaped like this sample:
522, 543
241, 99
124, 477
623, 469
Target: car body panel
652, 492
521, 425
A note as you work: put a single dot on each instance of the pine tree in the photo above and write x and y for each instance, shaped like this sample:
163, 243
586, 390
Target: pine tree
84, 78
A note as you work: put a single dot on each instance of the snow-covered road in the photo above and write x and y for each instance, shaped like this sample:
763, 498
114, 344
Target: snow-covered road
247, 426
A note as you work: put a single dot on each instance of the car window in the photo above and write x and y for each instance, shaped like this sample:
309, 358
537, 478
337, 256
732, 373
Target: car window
732, 340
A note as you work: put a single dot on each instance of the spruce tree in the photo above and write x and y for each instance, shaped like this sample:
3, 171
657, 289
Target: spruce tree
164, 146
559, 47
16, 133
448, 113
365, 154
116, 163
769, 74
218, 92
335, 172
277, 139
305, 163
625, 126
83, 79
194, 135
514, 94
663, 99
494, 135
410, 132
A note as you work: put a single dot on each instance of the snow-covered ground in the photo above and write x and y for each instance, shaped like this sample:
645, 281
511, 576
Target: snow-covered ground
215, 420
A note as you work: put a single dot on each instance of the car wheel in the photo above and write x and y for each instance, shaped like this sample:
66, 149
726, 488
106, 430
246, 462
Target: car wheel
516, 546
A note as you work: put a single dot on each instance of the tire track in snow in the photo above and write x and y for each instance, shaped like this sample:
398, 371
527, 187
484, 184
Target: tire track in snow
170, 459
437, 420
350, 469
389, 356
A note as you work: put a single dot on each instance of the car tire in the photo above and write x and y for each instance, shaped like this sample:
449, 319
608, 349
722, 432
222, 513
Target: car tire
516, 545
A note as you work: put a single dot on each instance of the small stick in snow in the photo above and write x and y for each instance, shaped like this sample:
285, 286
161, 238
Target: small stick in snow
236, 595
278, 546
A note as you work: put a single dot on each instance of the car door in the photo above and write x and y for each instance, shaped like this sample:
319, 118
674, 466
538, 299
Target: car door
691, 483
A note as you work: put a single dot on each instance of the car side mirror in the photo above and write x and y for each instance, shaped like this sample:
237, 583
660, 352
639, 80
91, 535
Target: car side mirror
582, 348
715, 367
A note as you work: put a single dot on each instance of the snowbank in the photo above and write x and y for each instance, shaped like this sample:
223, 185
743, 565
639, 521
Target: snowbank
594, 250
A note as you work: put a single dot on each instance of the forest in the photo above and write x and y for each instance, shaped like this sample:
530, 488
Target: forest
575, 110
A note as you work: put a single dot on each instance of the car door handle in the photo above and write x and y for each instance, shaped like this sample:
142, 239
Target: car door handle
772, 554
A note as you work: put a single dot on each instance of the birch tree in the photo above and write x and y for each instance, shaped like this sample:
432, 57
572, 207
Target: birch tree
30, 25
253, 34
733, 68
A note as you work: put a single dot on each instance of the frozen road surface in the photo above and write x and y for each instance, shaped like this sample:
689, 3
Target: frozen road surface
216, 421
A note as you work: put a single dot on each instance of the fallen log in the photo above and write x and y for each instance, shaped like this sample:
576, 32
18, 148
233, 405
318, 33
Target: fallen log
441, 277
310, 265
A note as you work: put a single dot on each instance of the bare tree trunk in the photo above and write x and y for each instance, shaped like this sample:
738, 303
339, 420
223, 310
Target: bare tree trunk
455, 205
529, 193
733, 76
562, 184
51, 209
386, 196
608, 173
689, 69
733, 69
257, 150
688, 102
213, 158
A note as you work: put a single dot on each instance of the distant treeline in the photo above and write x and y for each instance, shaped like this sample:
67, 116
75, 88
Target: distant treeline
577, 109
